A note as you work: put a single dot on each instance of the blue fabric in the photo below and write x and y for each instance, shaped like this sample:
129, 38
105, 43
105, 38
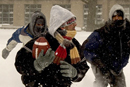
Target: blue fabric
93, 43
94, 40
25, 30
15, 35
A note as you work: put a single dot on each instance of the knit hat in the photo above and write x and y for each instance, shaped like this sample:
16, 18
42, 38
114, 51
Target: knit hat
119, 13
69, 22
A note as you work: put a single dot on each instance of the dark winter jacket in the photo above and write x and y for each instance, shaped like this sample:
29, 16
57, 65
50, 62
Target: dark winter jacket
50, 76
110, 45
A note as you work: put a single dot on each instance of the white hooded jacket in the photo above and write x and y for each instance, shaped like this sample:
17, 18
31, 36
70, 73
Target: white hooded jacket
58, 16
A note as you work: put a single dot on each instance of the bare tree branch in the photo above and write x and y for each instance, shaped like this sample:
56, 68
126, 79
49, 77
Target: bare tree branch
85, 1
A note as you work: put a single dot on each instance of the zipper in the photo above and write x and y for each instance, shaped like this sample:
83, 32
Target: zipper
120, 45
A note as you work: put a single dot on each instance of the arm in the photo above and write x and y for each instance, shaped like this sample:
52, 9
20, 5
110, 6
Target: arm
92, 51
90, 46
24, 61
76, 71
11, 43
27, 65
81, 68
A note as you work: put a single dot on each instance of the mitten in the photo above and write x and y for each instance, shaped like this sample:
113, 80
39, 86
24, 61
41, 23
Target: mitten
62, 31
60, 54
98, 63
5, 53
74, 54
68, 44
44, 61
67, 70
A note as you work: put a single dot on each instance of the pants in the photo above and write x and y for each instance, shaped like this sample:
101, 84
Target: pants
102, 80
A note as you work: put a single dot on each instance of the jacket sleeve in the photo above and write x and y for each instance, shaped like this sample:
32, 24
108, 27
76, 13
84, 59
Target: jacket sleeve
82, 68
90, 46
24, 61
12, 42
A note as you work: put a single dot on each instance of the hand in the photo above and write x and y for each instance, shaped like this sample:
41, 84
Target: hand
67, 70
60, 54
63, 32
128, 43
97, 62
44, 61
5, 53
68, 44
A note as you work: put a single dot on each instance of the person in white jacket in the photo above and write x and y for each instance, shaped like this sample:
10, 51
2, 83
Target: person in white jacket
36, 26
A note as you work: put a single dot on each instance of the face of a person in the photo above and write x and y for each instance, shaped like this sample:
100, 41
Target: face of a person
116, 17
71, 27
39, 27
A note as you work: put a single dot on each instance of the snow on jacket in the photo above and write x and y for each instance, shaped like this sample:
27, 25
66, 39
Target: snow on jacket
24, 34
109, 44
50, 76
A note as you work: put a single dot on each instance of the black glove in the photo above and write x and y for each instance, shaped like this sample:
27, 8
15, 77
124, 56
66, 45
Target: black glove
5, 53
98, 63
62, 31
67, 70
68, 44
44, 61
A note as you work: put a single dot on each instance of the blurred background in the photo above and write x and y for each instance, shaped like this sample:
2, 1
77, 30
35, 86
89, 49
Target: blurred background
90, 14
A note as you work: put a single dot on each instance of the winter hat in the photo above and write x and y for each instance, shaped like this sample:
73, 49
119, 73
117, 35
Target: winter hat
58, 16
114, 9
36, 15
69, 22
119, 13
40, 21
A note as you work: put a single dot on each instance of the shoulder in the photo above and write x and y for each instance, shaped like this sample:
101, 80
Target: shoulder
52, 41
18, 31
30, 43
127, 22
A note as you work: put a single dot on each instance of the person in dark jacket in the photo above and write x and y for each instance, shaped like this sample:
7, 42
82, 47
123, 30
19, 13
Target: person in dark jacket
45, 71
107, 49
23, 35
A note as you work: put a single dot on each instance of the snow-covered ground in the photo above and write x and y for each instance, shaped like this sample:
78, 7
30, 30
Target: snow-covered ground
9, 77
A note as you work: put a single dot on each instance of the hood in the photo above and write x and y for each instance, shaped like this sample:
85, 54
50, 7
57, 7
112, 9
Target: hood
114, 8
58, 16
34, 18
